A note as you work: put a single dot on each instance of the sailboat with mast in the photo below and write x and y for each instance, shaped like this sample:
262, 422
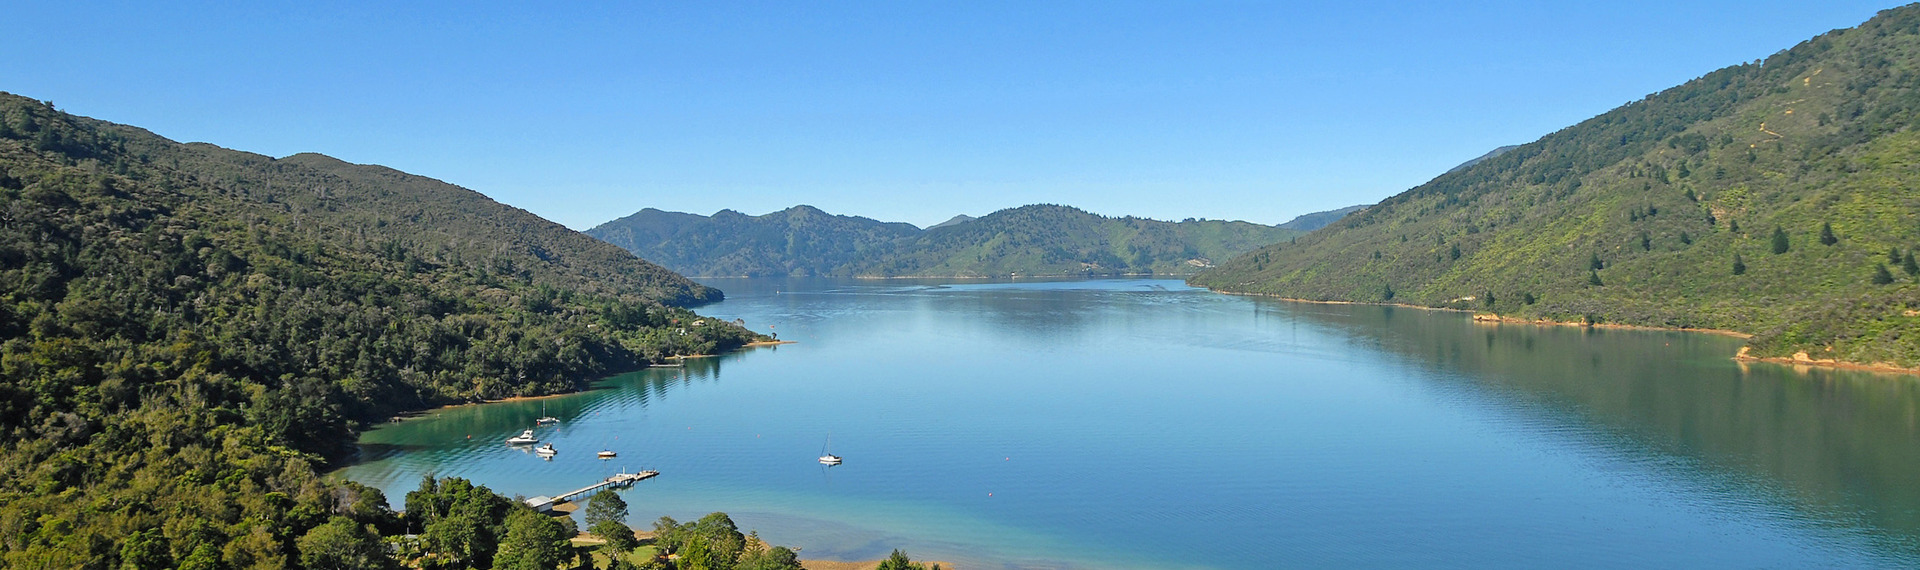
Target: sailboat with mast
544, 418
827, 458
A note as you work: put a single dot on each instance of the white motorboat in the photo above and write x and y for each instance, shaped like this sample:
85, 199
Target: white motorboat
525, 438
608, 454
546, 449
828, 458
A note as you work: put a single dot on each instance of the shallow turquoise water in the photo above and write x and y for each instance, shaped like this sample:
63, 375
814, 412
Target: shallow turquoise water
1145, 424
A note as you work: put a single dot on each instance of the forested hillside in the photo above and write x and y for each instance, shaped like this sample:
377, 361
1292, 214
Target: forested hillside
187, 333
1046, 239
1029, 240
1775, 197
800, 241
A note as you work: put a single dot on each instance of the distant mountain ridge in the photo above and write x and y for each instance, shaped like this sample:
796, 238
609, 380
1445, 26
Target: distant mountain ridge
1773, 198
802, 240
1317, 220
953, 221
1482, 158
1041, 239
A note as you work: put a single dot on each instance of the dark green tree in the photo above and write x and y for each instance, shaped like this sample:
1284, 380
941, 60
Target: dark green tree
343, 544
695, 554
722, 536
460, 540
618, 535
899, 561
667, 535
1908, 265
759, 556
203, 557
1595, 264
1880, 274
1826, 234
1593, 278
1454, 253
1779, 240
533, 542
1739, 266
604, 506
145, 550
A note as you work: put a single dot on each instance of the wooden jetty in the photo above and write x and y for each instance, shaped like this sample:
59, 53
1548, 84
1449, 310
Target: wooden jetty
618, 480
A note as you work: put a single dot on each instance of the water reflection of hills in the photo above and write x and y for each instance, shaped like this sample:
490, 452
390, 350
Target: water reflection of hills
1843, 446
491, 423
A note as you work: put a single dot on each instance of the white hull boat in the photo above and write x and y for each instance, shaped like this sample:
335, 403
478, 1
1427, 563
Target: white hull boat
828, 458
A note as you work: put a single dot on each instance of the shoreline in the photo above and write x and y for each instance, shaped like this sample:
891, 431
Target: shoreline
1496, 318
584, 538
419, 413
1802, 359
1799, 359
864, 564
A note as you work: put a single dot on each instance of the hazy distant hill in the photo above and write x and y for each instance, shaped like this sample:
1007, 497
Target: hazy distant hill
1775, 198
953, 221
1317, 220
1030, 240
801, 240
1482, 158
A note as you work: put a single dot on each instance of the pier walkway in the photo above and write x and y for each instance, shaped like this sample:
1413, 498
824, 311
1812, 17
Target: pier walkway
622, 479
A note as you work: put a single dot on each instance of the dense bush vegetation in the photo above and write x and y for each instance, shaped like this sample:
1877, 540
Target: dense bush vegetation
187, 333
1030, 240
1764, 197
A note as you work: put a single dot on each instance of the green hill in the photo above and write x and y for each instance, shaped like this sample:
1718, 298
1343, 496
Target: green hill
800, 241
1047, 239
188, 332
953, 221
1775, 198
1030, 240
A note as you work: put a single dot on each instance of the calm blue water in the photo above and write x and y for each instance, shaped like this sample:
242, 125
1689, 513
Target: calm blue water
1145, 424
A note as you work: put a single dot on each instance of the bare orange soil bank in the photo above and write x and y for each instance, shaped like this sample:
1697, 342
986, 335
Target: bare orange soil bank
1493, 318
1804, 359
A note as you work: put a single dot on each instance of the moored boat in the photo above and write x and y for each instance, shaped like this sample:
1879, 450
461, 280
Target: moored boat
828, 458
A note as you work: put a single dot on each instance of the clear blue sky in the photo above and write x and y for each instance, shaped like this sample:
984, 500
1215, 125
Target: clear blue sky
903, 111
